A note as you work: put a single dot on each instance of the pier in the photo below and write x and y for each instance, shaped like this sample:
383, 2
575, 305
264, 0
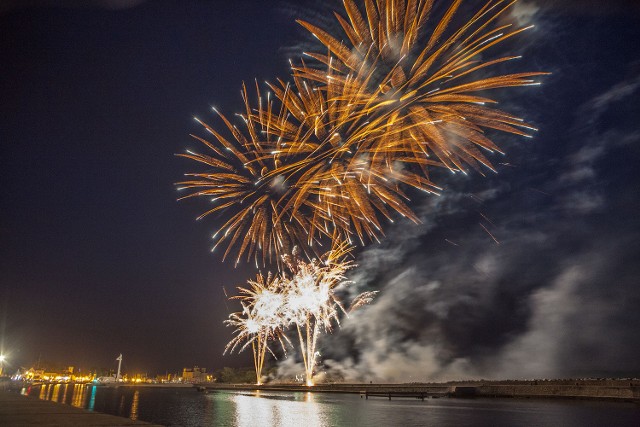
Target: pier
614, 390
399, 394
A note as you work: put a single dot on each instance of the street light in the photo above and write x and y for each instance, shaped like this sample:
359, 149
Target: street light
2, 359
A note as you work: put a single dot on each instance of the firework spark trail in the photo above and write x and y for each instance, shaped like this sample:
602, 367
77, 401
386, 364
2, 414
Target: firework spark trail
422, 87
489, 233
260, 320
320, 149
249, 330
304, 300
312, 305
235, 183
450, 242
331, 154
486, 218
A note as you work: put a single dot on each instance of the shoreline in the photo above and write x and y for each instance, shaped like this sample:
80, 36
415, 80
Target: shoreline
609, 390
18, 410
605, 390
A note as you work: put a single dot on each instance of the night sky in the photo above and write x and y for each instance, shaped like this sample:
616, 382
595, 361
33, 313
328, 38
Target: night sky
98, 258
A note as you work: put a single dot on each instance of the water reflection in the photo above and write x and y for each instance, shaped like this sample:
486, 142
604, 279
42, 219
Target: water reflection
76, 398
92, 401
189, 408
134, 406
55, 393
121, 405
70, 394
270, 409
64, 393
43, 392
87, 396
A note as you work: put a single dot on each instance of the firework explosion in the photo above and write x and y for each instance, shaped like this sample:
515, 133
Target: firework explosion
422, 87
305, 300
321, 149
260, 320
333, 154
236, 185
312, 304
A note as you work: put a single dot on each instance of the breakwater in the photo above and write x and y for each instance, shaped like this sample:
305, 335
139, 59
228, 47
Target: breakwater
606, 390
618, 390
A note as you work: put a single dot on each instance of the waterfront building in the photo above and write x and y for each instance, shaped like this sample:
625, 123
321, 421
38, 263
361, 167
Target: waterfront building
195, 375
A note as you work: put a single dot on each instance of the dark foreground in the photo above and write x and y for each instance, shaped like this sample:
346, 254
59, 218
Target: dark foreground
18, 410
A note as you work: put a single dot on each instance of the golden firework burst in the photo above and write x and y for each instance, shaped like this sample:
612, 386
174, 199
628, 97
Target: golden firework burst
240, 183
425, 88
332, 154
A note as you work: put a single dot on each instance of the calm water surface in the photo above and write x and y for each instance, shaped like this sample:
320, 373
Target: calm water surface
190, 408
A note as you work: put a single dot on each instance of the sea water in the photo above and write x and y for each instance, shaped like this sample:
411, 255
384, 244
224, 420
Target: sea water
190, 408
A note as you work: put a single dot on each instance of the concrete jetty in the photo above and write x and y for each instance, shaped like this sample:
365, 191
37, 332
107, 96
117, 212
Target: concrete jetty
614, 390
18, 410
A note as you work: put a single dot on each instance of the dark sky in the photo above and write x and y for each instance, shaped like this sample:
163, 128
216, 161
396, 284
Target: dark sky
98, 258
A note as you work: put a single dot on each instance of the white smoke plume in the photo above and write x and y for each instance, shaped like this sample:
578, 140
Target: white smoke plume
528, 274
546, 298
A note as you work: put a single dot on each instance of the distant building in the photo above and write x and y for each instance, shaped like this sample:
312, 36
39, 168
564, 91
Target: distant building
164, 378
194, 375
53, 375
33, 374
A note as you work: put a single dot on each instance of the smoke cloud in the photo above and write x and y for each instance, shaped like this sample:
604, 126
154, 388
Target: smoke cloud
529, 276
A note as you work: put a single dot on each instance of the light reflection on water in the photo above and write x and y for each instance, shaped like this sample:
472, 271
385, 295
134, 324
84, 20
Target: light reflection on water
190, 408
70, 394
134, 405
92, 401
79, 397
263, 408
55, 393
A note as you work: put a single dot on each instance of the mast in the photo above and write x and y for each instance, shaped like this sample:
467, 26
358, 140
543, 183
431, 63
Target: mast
119, 359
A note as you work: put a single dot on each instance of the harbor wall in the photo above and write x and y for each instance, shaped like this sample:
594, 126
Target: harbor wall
621, 390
